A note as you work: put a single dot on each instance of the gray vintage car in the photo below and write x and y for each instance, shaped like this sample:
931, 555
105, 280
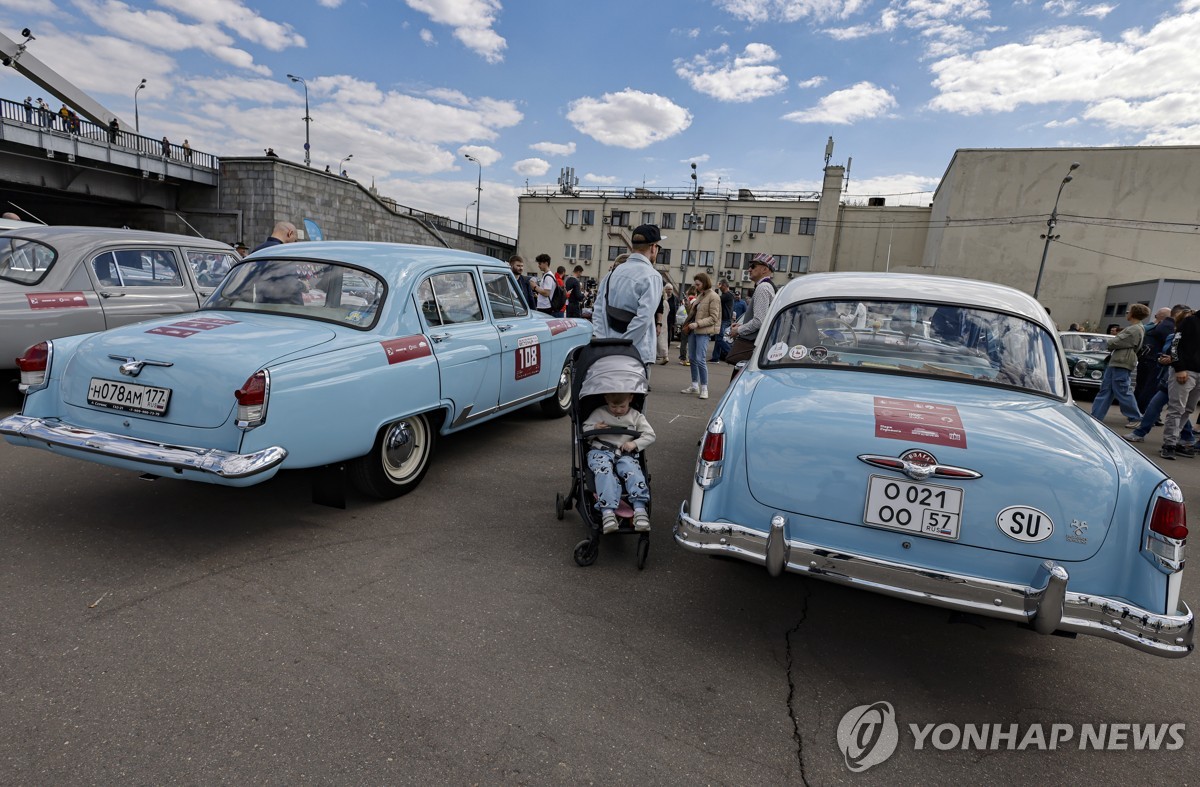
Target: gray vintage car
60, 281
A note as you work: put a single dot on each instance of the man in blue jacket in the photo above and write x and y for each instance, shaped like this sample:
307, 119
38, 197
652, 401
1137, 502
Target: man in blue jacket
629, 296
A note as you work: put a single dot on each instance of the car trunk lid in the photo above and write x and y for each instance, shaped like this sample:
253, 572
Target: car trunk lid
1039, 477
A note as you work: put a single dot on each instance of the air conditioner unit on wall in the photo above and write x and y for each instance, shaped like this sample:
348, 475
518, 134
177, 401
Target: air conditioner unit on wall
751, 234
607, 219
737, 237
583, 227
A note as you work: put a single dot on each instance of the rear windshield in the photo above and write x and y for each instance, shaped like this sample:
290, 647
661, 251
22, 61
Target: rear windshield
315, 290
25, 261
936, 340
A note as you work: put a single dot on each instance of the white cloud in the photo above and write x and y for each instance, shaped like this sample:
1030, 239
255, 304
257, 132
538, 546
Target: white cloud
487, 156
742, 78
813, 82
938, 23
472, 22
696, 159
427, 36
603, 180
756, 11
629, 119
859, 102
531, 167
231, 14
329, 3
1063, 123
1118, 79
554, 148
1070, 7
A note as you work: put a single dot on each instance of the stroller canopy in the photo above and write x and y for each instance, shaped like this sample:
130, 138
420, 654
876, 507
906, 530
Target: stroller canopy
615, 374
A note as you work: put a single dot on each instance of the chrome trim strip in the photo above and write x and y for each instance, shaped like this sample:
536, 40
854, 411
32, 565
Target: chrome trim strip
206, 460
467, 415
1046, 603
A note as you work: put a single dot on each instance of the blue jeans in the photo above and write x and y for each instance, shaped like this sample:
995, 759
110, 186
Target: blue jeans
720, 346
1115, 384
602, 463
698, 353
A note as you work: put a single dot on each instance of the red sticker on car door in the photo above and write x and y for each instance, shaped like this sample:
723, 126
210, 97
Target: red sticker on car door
919, 422
406, 348
529, 357
56, 300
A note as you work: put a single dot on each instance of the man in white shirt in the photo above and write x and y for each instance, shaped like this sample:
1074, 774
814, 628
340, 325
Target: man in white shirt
630, 295
544, 286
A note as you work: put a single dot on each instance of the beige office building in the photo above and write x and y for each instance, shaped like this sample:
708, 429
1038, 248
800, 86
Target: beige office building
1127, 215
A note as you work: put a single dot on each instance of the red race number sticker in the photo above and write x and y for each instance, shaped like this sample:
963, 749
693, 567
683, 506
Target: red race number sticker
529, 357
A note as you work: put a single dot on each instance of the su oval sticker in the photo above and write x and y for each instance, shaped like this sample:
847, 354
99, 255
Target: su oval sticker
1022, 523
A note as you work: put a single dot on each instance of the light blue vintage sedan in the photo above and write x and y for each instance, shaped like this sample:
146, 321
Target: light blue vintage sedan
915, 436
353, 355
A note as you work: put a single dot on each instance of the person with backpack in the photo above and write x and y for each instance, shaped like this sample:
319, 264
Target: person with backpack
545, 286
575, 292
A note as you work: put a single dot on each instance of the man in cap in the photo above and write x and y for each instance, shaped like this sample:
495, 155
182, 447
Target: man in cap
761, 268
631, 294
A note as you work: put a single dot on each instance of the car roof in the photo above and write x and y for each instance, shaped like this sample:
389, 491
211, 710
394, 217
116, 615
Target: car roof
915, 287
385, 258
62, 237
8, 224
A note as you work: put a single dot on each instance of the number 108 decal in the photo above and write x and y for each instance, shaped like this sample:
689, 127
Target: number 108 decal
529, 358
1023, 523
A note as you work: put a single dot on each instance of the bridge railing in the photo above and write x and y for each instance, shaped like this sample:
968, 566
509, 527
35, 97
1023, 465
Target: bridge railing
19, 112
448, 223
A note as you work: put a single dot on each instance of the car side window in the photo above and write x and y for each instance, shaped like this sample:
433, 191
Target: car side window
138, 268
209, 267
502, 296
449, 298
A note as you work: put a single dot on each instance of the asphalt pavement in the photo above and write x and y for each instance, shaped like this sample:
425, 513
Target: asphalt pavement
164, 632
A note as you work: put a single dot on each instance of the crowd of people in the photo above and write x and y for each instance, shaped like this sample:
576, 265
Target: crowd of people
68, 121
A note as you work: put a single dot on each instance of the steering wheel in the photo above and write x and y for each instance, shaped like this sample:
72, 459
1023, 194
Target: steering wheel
837, 332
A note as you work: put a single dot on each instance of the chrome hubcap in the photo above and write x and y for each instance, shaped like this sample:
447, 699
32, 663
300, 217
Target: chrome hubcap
399, 445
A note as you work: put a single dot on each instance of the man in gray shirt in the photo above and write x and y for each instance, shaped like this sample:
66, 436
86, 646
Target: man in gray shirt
630, 295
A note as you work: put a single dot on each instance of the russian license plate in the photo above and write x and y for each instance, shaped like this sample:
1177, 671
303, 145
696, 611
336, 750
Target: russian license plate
131, 397
928, 509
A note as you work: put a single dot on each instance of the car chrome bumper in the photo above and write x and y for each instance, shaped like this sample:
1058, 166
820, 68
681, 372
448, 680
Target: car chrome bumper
211, 461
1045, 604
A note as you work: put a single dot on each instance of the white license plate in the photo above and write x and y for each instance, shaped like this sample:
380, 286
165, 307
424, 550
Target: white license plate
928, 509
131, 397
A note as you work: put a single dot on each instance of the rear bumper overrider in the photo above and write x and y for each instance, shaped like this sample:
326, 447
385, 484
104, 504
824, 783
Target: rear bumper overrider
1045, 604
54, 434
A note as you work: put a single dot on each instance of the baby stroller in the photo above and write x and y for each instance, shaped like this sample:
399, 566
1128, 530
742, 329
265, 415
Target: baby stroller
604, 366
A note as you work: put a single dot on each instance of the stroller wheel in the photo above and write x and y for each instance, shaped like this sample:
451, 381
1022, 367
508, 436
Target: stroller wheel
559, 507
643, 549
586, 552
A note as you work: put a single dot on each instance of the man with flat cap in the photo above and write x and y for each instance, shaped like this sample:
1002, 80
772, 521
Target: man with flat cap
630, 295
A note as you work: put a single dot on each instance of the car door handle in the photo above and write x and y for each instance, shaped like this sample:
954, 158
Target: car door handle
503, 328
439, 337
106, 294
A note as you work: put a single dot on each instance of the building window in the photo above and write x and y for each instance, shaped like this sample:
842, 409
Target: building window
733, 259
668, 221
569, 251
585, 251
647, 217
691, 221
733, 224
620, 218
589, 217
572, 217
664, 257
689, 257
800, 264
706, 259
1110, 309
807, 226
712, 221
783, 225
758, 223
614, 252
1120, 309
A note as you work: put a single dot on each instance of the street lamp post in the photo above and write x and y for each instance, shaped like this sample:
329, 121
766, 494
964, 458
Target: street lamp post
478, 189
691, 223
1050, 224
136, 122
465, 211
342, 162
307, 120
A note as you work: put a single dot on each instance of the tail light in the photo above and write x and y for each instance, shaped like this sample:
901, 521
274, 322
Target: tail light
712, 455
34, 365
1169, 519
252, 400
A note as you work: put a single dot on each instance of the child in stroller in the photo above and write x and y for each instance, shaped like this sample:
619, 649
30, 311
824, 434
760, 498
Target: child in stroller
598, 370
616, 455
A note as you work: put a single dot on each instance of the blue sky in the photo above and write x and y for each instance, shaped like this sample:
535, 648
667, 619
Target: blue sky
628, 93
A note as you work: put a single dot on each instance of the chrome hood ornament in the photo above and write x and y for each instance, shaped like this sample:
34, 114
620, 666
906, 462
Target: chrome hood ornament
132, 367
919, 465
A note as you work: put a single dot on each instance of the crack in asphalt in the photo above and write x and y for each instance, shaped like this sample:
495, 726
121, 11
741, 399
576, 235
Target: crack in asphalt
791, 697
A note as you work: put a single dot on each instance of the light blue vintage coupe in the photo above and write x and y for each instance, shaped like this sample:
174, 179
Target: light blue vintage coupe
915, 436
339, 355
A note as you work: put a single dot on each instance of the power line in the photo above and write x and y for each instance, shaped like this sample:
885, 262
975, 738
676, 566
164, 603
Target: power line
1128, 259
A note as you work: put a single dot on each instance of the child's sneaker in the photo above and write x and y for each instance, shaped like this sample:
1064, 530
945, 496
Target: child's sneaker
641, 520
609, 523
